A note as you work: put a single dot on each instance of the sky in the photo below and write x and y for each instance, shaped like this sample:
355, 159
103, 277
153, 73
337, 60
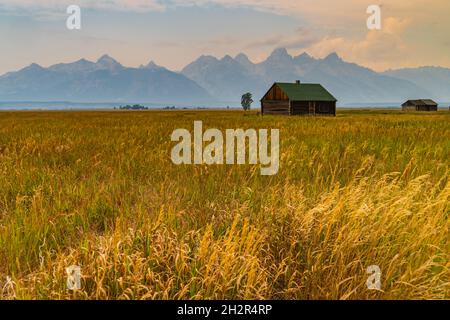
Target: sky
173, 33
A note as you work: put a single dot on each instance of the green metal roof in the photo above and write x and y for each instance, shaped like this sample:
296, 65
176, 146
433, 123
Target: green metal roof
305, 92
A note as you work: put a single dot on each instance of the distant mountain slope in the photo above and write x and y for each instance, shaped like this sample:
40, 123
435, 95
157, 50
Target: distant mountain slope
104, 80
435, 80
228, 78
225, 79
353, 83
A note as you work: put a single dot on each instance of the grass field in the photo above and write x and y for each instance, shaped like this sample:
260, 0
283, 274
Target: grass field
99, 190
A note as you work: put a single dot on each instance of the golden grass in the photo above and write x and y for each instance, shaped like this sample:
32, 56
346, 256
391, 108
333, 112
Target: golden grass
98, 190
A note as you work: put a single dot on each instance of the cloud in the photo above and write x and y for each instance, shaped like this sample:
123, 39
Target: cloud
394, 26
413, 32
325, 12
58, 5
379, 49
301, 38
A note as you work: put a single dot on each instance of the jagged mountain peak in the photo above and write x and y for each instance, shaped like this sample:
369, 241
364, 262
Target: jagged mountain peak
280, 55
241, 56
80, 65
227, 58
207, 58
304, 55
243, 60
152, 65
333, 57
108, 62
304, 58
106, 58
280, 52
33, 66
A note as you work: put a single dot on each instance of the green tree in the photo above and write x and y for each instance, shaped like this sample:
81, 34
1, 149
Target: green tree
246, 101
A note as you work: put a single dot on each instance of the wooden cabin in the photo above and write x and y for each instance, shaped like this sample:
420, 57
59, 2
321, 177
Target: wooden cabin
298, 99
420, 105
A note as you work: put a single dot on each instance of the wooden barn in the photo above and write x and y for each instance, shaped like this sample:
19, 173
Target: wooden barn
298, 99
420, 105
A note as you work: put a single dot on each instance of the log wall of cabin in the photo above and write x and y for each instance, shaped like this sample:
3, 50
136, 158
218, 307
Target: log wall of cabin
426, 108
275, 102
409, 108
325, 107
313, 108
419, 108
275, 93
300, 107
275, 107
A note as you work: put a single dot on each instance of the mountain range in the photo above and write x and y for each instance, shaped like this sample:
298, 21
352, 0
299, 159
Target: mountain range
103, 81
210, 80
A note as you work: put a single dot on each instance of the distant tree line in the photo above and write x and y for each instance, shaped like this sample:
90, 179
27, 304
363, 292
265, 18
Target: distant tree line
133, 107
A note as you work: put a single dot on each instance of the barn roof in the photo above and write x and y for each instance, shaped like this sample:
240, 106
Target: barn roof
421, 102
305, 92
